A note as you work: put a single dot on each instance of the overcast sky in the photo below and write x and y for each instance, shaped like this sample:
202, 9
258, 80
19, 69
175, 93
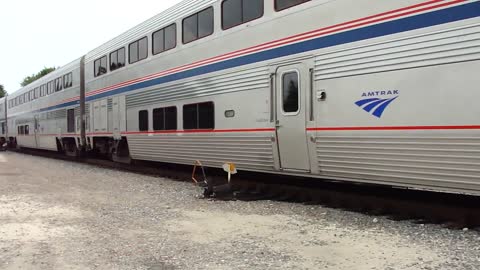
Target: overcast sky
36, 34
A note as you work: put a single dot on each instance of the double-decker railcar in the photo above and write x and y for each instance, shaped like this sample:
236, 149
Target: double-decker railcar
367, 91
45, 114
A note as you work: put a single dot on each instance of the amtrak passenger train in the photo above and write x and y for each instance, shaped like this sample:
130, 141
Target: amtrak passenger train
372, 91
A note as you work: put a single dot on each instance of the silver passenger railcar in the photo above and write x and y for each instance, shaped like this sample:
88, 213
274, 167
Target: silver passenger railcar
368, 91
42, 115
3, 121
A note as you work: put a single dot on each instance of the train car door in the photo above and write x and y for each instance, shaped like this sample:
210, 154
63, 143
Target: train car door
291, 97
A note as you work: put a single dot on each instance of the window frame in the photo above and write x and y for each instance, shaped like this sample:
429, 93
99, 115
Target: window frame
198, 115
277, 10
196, 14
164, 109
138, 51
124, 58
95, 66
67, 80
164, 40
50, 87
43, 90
243, 22
58, 84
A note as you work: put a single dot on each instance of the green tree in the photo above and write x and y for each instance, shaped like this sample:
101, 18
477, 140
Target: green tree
2, 91
28, 80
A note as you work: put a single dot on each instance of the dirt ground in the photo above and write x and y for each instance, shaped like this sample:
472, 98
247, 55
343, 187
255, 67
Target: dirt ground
63, 215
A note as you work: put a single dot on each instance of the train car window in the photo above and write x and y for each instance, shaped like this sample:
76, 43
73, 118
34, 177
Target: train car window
67, 80
133, 52
32, 94
164, 39
143, 120
290, 95
37, 92
100, 66
205, 23
199, 116
70, 79
26, 130
236, 12
142, 49
58, 84
117, 59
50, 88
171, 118
198, 25
159, 119
113, 60
25, 97
190, 119
206, 116
138, 50
284, 4
165, 118
42, 90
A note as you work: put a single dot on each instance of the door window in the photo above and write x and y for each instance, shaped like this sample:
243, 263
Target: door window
290, 96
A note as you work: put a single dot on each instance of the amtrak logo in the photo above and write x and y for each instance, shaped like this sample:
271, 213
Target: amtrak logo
376, 102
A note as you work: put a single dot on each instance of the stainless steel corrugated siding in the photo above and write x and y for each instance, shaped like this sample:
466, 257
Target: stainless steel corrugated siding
442, 47
252, 151
165, 18
252, 79
57, 114
452, 161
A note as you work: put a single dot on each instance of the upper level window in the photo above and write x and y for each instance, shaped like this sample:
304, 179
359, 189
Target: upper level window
284, 4
67, 80
100, 66
37, 92
165, 118
43, 91
198, 25
32, 94
164, 39
58, 84
236, 12
50, 87
117, 59
198, 116
138, 50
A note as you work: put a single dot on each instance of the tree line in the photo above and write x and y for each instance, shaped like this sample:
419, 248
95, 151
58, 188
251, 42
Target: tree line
29, 79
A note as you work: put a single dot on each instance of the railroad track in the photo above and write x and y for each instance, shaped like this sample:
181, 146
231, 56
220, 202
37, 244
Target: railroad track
454, 211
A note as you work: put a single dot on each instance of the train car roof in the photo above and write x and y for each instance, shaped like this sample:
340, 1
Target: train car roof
165, 18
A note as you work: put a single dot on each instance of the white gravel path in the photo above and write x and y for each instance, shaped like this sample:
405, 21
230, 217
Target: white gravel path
62, 215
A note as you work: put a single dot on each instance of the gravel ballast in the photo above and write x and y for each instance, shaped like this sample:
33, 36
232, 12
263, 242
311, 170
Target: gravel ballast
63, 215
